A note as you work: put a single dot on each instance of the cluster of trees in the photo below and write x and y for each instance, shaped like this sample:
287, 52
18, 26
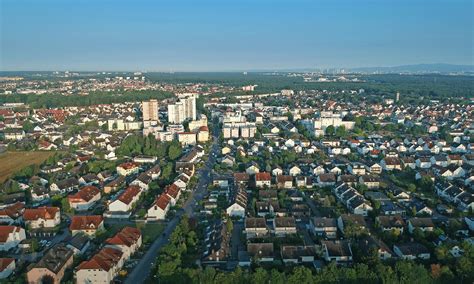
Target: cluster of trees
412, 87
401, 272
138, 145
94, 98
175, 255
336, 131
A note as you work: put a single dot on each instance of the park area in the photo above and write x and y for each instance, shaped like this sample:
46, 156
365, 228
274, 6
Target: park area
11, 162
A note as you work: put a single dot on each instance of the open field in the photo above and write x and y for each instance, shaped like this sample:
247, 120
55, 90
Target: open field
10, 162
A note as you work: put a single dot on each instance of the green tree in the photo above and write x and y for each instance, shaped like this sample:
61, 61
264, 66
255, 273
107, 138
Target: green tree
174, 150
330, 130
341, 131
260, 276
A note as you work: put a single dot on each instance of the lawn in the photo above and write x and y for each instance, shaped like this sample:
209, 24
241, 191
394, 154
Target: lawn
10, 162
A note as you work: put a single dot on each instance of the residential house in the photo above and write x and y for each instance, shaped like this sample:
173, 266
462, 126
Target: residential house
391, 163
174, 193
51, 266
263, 180
324, 227
42, 217
128, 168
352, 220
66, 185
284, 226
238, 204
422, 224
393, 223
114, 185
79, 244
338, 251
88, 224
411, 251
10, 237
370, 181
12, 214
103, 267
128, 240
126, 200
261, 252
255, 227
297, 254
159, 208
7, 267
326, 179
85, 198
284, 181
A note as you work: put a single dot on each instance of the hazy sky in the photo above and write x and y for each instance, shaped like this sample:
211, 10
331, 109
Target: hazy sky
232, 35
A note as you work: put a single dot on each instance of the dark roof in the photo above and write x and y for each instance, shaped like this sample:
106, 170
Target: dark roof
55, 258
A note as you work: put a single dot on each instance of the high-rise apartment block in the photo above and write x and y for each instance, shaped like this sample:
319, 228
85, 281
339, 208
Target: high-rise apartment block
150, 113
184, 108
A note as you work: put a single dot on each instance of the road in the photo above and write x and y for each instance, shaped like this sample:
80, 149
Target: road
142, 270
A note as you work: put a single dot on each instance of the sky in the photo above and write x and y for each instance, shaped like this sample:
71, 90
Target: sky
228, 35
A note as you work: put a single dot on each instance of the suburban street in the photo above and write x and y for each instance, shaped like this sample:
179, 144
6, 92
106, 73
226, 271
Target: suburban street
142, 270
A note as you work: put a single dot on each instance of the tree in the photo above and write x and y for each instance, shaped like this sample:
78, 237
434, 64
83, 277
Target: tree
28, 126
260, 276
174, 150
229, 225
464, 268
65, 205
330, 130
34, 245
277, 277
301, 275
341, 131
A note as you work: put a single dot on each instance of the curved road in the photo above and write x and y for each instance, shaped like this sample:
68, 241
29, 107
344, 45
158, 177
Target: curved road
142, 270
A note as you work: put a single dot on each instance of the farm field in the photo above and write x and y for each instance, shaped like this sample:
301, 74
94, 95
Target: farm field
10, 162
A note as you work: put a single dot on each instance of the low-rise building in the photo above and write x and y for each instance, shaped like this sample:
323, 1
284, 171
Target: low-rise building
159, 208
42, 217
7, 267
88, 224
10, 237
51, 266
103, 267
85, 198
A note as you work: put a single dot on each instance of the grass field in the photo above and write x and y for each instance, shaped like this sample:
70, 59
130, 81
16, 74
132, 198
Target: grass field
10, 162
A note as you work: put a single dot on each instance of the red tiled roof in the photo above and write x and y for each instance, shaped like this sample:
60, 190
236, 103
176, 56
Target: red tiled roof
172, 190
128, 195
105, 259
127, 236
13, 211
40, 212
5, 262
128, 165
162, 201
85, 222
84, 194
5, 231
263, 176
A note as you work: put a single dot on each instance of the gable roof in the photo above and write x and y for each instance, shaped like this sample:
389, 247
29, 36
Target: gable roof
46, 213
87, 222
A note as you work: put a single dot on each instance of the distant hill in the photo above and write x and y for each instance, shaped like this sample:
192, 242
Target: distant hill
418, 68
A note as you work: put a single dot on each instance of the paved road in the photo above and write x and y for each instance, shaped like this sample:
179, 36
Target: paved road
142, 270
